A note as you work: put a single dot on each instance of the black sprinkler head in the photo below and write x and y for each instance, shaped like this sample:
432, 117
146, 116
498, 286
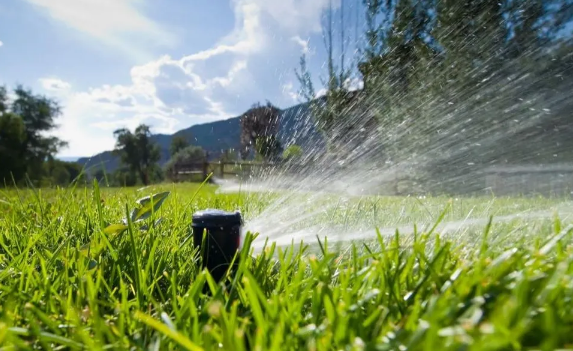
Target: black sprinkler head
222, 241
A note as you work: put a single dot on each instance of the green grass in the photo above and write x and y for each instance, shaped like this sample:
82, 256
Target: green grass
70, 279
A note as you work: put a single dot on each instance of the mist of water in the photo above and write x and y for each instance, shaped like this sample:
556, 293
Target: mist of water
485, 139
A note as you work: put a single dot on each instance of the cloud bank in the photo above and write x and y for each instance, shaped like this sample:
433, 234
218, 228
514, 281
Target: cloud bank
54, 84
254, 62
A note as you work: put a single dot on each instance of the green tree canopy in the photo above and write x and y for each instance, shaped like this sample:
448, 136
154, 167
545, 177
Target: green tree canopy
138, 153
190, 154
3, 99
268, 148
443, 77
293, 152
64, 173
178, 143
260, 122
25, 143
12, 147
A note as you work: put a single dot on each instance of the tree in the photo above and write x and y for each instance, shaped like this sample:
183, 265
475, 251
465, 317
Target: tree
452, 81
38, 113
259, 122
60, 176
124, 177
268, 147
3, 100
399, 54
63, 173
190, 154
101, 176
12, 147
178, 143
332, 112
138, 153
25, 145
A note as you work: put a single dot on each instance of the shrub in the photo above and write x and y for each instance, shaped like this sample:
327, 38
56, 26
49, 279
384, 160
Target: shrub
190, 154
292, 152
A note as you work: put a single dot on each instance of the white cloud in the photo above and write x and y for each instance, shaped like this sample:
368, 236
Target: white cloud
354, 83
54, 84
118, 23
320, 92
288, 89
254, 62
293, 15
350, 84
1, 43
90, 117
303, 43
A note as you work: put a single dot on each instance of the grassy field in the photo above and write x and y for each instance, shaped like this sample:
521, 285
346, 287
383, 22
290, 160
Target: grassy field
73, 277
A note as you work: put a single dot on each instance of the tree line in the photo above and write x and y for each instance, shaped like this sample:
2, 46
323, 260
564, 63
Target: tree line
28, 153
139, 155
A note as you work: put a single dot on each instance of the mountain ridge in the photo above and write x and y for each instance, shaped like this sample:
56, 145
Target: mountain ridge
295, 127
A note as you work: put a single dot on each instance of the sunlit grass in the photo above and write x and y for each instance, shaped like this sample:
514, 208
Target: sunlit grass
69, 282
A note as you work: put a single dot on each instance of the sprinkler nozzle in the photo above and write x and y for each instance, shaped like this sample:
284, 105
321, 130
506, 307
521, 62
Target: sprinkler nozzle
222, 241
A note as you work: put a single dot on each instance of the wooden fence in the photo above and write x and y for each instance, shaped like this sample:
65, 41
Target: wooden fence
398, 184
200, 170
549, 180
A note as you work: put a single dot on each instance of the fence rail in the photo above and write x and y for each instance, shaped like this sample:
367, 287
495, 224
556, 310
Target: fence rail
399, 184
220, 169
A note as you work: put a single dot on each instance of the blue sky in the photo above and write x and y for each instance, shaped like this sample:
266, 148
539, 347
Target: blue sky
169, 64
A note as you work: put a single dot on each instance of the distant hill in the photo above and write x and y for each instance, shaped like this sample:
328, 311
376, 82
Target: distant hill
295, 127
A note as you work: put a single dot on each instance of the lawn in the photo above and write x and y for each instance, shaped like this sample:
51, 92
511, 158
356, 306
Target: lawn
448, 279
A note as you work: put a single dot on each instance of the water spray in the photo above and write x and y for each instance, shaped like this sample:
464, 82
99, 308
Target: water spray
222, 239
